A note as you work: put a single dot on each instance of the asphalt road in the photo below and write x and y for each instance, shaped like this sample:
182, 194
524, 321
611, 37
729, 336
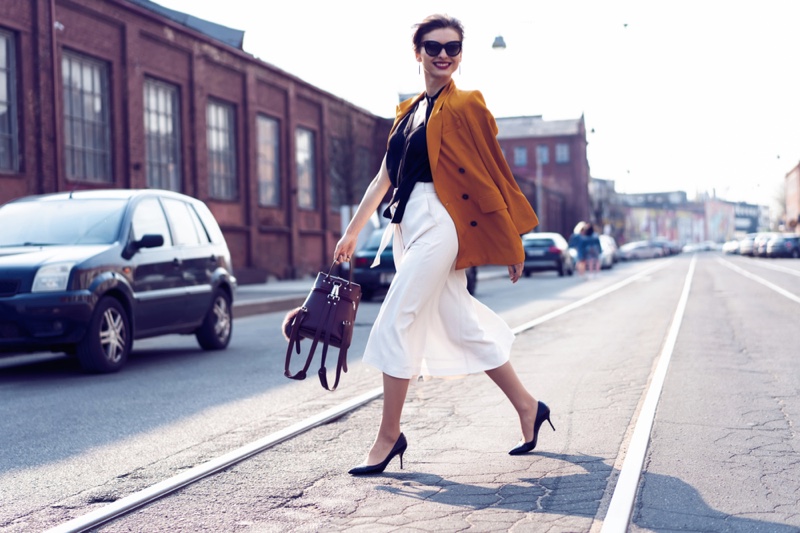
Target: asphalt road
722, 455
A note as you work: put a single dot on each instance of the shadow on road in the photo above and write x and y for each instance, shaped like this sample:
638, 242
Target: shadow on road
681, 506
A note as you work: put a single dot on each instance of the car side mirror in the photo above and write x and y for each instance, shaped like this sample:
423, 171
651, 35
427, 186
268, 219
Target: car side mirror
150, 240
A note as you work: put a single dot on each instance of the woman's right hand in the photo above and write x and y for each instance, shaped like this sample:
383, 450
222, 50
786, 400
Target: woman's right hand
345, 249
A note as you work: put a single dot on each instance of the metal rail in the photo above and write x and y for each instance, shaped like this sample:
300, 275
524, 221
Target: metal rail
154, 492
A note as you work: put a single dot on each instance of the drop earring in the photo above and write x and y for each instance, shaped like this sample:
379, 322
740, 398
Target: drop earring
419, 68
459, 70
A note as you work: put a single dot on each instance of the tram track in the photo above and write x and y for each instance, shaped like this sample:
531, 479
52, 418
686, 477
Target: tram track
159, 490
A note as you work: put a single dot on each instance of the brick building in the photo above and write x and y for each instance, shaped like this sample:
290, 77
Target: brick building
553, 151
126, 93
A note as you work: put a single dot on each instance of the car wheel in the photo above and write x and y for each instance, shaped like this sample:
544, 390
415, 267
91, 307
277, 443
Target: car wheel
108, 340
215, 332
795, 253
561, 270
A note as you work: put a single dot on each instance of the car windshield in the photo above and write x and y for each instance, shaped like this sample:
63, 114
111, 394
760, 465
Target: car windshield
60, 222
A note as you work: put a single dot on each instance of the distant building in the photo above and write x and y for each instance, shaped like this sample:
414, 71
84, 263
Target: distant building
128, 94
671, 216
549, 157
748, 217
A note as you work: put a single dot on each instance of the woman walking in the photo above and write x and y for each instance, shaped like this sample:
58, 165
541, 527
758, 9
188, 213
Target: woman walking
455, 205
591, 245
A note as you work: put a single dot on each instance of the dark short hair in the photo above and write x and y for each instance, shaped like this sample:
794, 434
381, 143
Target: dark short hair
435, 22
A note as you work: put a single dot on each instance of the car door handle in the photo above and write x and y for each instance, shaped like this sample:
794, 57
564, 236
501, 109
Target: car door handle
213, 259
177, 263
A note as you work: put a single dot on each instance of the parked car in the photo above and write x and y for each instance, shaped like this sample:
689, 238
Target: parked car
784, 245
731, 247
378, 279
670, 247
746, 244
88, 272
640, 250
608, 251
547, 251
760, 243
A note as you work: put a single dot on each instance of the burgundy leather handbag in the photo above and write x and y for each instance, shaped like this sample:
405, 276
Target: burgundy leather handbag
327, 316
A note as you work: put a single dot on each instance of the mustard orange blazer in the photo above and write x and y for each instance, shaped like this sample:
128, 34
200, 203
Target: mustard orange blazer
473, 179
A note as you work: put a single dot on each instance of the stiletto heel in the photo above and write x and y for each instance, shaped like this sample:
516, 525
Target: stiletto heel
542, 414
399, 448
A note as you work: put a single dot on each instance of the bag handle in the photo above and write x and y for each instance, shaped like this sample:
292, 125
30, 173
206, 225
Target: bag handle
349, 270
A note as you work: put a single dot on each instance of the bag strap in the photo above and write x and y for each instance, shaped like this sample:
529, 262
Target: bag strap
295, 339
323, 372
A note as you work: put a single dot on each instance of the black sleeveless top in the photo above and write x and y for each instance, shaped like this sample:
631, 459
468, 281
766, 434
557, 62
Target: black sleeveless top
407, 156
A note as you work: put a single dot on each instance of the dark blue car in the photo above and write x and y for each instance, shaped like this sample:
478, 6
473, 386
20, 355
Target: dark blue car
88, 272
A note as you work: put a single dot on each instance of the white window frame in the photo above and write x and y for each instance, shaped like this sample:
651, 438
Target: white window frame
221, 148
562, 153
9, 133
268, 131
87, 121
520, 156
162, 135
305, 159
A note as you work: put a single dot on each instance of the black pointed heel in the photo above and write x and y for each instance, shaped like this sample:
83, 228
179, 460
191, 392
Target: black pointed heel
542, 414
399, 448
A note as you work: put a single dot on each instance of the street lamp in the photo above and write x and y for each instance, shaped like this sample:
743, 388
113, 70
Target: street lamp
499, 43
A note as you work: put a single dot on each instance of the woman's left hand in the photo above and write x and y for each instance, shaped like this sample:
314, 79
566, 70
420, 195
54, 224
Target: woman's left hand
514, 272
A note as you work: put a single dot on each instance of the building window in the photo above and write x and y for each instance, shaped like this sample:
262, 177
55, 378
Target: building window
269, 169
542, 154
306, 172
520, 156
162, 135
8, 105
562, 153
87, 124
221, 141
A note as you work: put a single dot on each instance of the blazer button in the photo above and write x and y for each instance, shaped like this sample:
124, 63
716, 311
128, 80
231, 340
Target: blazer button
461, 170
473, 223
465, 196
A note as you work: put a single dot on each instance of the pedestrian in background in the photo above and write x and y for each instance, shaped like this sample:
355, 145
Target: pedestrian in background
455, 205
591, 252
576, 243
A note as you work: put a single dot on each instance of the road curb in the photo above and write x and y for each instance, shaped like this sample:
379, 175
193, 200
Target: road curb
260, 307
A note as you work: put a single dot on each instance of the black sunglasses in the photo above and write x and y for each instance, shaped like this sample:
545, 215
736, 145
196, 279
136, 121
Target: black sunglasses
433, 48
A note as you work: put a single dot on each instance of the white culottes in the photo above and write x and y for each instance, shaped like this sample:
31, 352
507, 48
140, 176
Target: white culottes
429, 324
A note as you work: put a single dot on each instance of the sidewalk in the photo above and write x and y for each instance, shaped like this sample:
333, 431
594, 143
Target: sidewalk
282, 295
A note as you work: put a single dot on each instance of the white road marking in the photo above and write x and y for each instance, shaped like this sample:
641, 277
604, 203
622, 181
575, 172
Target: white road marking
619, 510
760, 280
779, 268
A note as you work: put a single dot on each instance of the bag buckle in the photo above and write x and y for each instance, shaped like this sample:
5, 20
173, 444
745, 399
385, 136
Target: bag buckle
334, 295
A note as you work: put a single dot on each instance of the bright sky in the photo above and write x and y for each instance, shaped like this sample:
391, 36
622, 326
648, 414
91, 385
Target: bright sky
689, 95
